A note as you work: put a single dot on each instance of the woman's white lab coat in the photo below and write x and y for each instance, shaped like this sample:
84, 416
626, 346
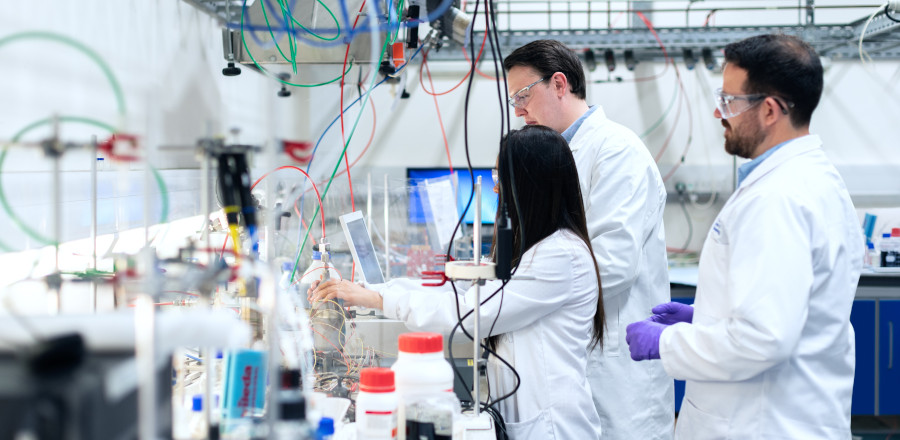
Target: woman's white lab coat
770, 353
546, 324
624, 198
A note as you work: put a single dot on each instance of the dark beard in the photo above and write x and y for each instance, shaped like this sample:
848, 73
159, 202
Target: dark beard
744, 143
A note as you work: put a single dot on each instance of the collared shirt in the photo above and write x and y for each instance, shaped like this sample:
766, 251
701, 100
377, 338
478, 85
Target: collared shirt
747, 168
570, 132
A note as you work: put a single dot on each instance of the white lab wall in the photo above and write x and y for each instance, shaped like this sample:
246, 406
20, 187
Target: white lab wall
168, 58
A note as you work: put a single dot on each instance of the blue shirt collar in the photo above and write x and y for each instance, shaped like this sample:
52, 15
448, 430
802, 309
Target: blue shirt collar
745, 169
570, 132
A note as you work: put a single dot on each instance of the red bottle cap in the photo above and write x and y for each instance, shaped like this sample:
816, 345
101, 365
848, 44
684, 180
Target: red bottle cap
376, 380
421, 343
895, 232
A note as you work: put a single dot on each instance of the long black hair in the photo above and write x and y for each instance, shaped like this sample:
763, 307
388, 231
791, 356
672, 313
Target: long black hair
548, 195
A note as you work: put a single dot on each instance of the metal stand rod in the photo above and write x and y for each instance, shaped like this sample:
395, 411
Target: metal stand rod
476, 354
94, 220
387, 231
476, 257
57, 214
144, 332
369, 203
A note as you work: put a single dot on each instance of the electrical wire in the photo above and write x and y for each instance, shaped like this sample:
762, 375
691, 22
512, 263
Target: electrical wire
349, 138
662, 46
270, 74
351, 34
863, 56
432, 92
285, 167
437, 109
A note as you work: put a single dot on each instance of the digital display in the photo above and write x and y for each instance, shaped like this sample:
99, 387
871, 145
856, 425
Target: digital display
365, 251
489, 200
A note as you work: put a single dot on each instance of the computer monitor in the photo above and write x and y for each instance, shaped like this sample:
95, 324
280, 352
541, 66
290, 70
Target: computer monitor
361, 247
417, 207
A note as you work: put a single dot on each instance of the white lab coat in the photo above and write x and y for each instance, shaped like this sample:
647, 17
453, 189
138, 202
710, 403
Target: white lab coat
771, 353
546, 325
624, 197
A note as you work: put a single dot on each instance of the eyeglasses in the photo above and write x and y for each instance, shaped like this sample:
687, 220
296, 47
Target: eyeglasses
520, 98
730, 106
495, 175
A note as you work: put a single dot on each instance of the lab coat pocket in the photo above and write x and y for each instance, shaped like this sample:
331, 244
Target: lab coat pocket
695, 424
536, 428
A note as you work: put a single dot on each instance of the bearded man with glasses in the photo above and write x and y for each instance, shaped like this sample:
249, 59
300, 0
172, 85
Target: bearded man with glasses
767, 349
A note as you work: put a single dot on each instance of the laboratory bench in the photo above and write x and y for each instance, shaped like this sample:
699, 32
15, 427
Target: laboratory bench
876, 321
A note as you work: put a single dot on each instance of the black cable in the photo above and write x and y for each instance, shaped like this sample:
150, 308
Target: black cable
471, 196
887, 13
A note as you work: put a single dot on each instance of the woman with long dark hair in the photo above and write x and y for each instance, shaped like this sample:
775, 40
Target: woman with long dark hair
547, 317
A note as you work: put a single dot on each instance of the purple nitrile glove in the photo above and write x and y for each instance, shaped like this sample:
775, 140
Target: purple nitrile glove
672, 312
643, 339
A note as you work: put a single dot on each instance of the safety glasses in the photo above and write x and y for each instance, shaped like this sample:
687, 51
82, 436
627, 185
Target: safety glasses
520, 98
732, 105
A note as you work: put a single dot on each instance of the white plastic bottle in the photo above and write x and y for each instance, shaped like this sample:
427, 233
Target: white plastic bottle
196, 423
889, 249
376, 405
425, 386
316, 272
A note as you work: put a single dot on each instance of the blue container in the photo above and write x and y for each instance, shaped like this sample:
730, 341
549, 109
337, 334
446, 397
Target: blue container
245, 384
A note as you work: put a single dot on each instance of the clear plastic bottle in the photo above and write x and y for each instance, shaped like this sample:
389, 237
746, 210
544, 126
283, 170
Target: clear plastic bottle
376, 405
424, 381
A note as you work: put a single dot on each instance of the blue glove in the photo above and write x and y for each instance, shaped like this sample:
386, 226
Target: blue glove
672, 312
643, 339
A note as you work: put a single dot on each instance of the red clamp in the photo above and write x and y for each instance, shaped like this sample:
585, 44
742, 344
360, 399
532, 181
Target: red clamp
108, 147
299, 151
434, 275
439, 260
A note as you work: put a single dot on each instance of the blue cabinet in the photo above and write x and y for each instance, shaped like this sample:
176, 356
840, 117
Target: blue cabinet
862, 317
889, 358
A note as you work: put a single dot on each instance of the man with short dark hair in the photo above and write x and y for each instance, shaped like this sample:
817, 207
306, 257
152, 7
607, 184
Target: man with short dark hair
624, 198
767, 349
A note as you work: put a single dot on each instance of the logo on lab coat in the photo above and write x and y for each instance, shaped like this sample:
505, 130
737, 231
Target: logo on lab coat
718, 232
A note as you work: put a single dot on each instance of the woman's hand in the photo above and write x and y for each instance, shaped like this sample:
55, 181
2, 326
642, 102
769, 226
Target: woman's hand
351, 293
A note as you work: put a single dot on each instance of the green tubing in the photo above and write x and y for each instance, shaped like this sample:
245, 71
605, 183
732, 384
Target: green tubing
340, 157
39, 35
261, 69
73, 119
663, 117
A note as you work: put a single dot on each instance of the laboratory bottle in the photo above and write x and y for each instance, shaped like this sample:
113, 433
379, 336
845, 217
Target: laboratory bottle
889, 248
424, 382
871, 257
326, 429
293, 425
197, 423
315, 272
376, 405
